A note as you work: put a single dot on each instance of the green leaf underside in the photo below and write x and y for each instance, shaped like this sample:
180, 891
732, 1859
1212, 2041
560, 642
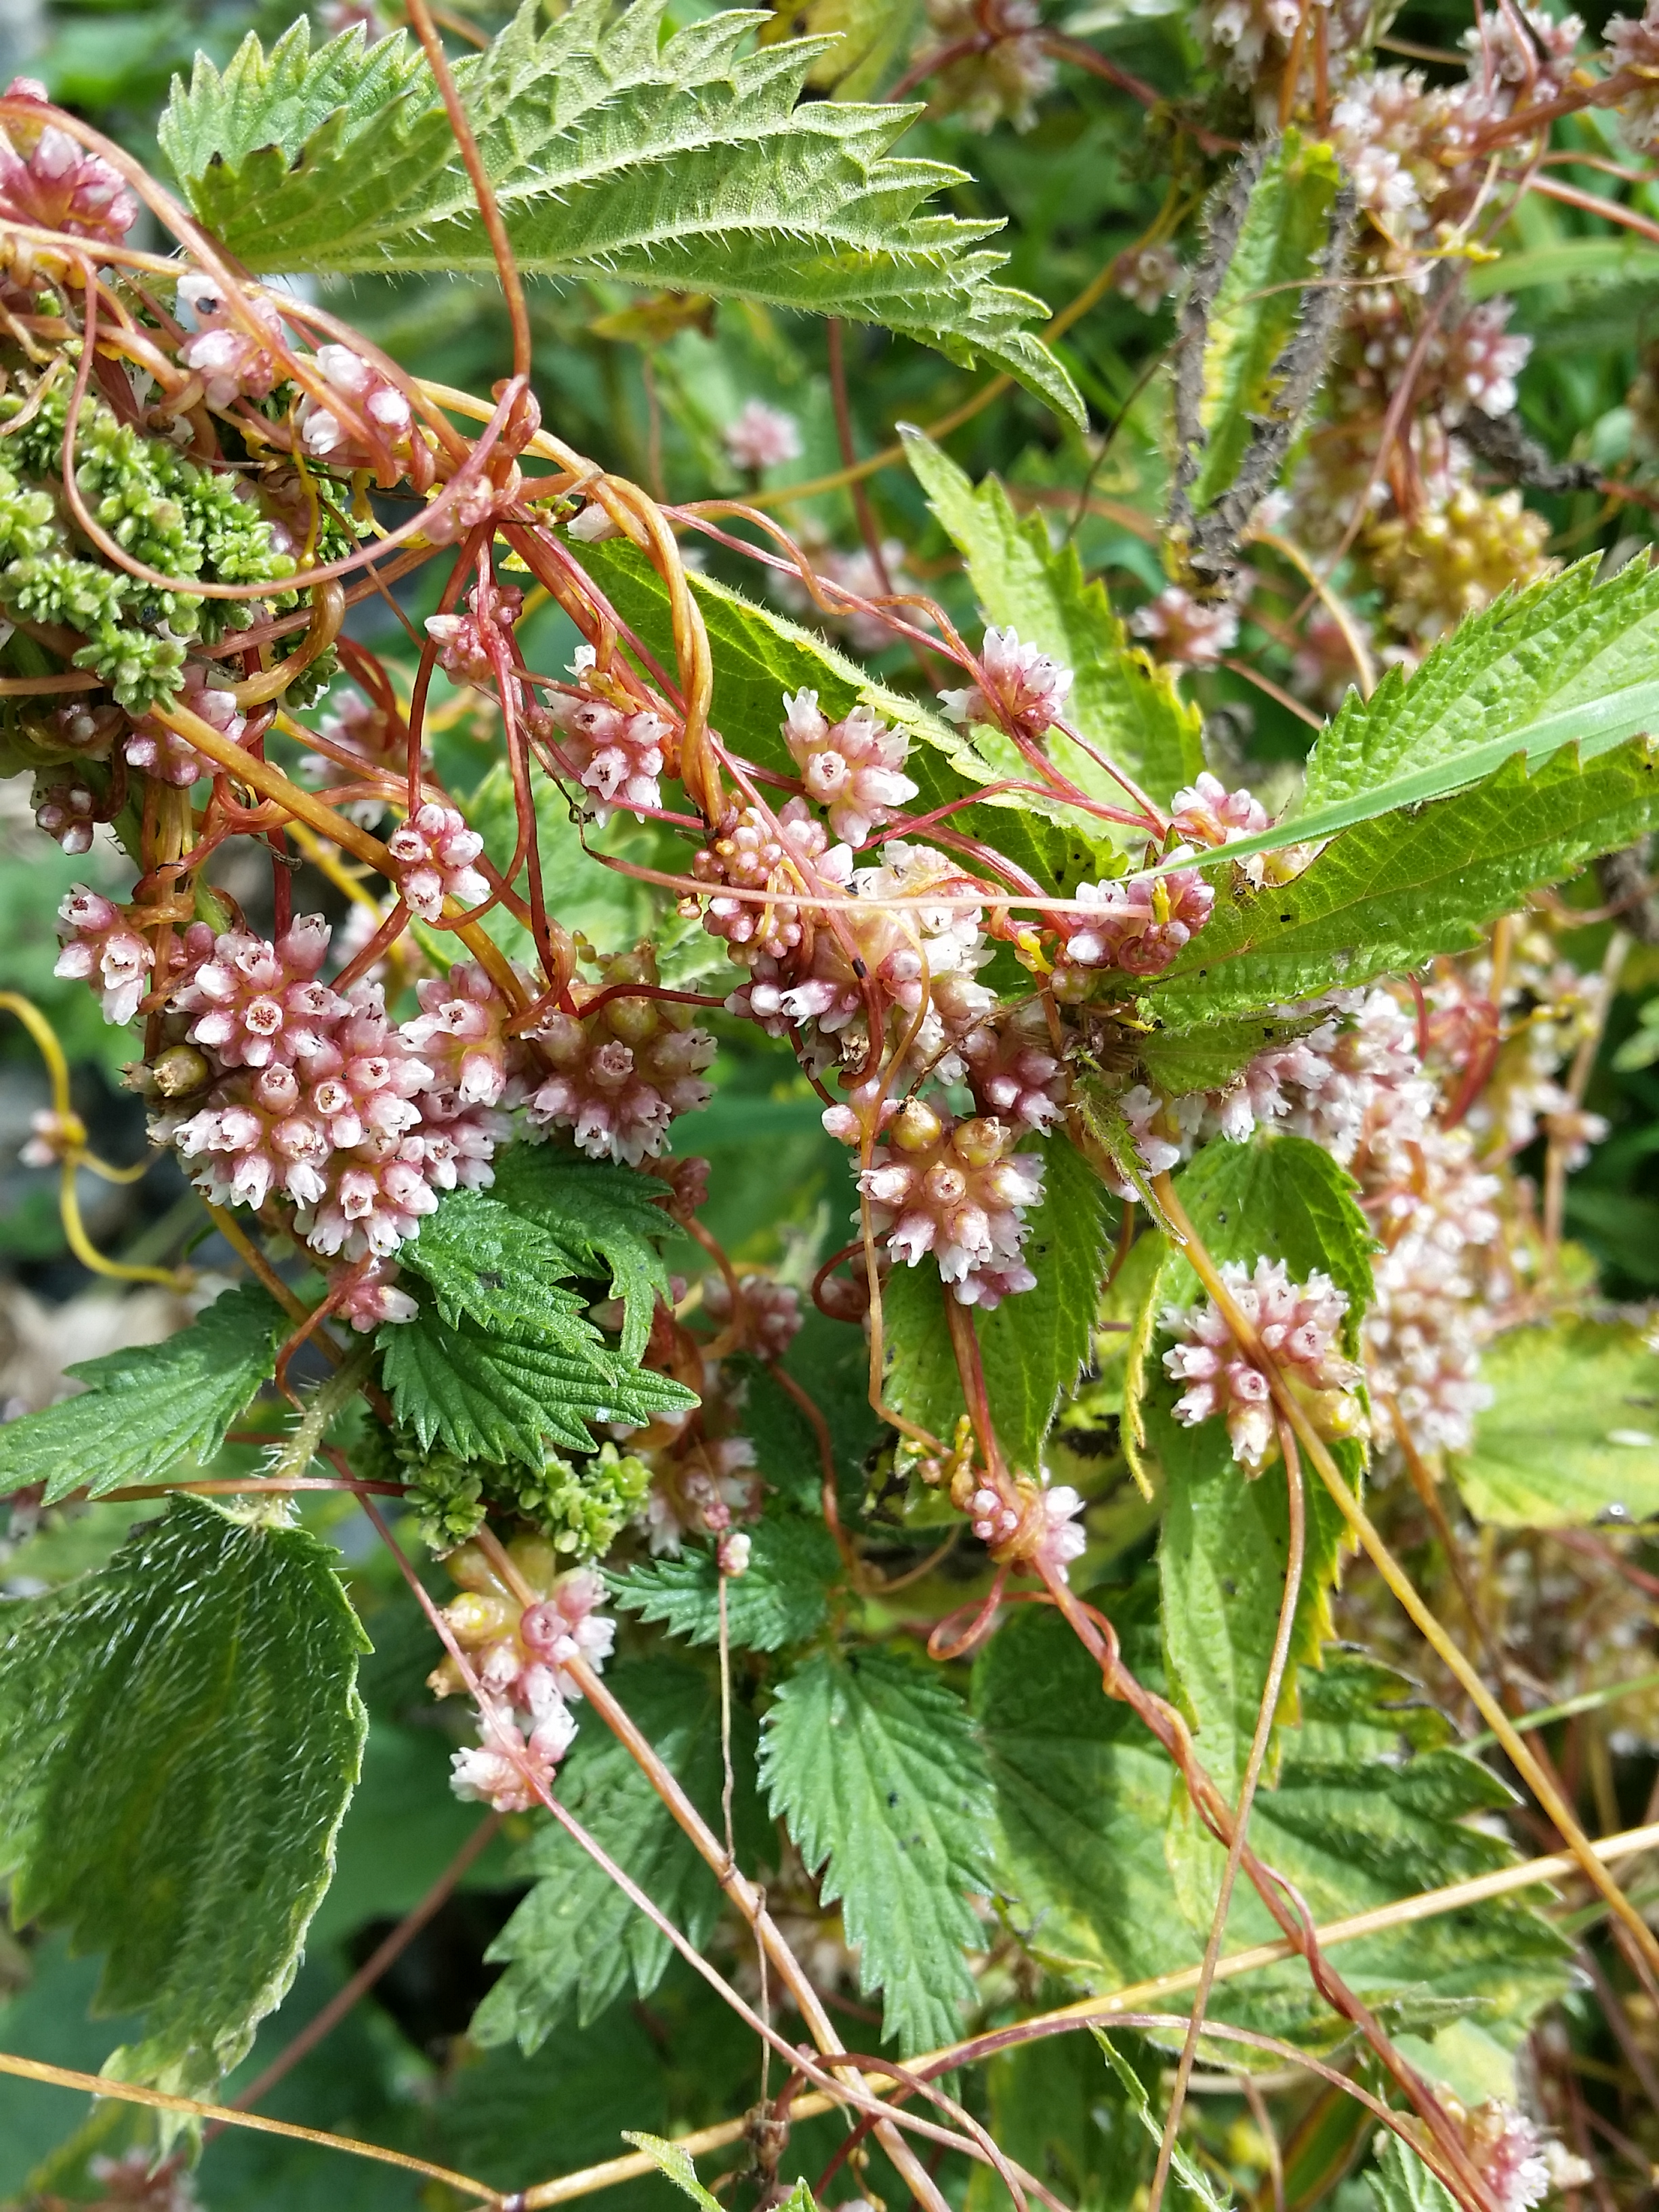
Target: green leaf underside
1189, 2181
1566, 662
1572, 1435
605, 1216
781, 1597
1393, 893
1033, 1347
1285, 231
486, 1393
1369, 1806
1120, 701
872, 1762
1225, 1541
612, 153
575, 1942
1400, 2182
145, 1409
179, 1736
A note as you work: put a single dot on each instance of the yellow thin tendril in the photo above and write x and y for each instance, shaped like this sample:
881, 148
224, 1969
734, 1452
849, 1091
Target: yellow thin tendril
73, 1155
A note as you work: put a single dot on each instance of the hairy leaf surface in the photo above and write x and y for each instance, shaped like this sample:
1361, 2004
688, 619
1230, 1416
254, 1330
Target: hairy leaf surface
871, 1761
180, 1736
574, 1943
781, 1597
1370, 1805
145, 1409
604, 1216
1572, 1435
613, 153
1389, 894
1120, 700
489, 1394
504, 1270
1400, 2182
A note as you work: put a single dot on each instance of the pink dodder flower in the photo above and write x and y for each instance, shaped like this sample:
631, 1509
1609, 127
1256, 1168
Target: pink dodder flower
434, 851
957, 1189
851, 768
1022, 688
622, 1071
1138, 927
761, 437
256, 1002
47, 178
1297, 1324
100, 948
614, 746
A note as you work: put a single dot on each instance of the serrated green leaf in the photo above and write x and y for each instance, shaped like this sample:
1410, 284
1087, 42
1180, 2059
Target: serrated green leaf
1285, 230
1034, 1345
1225, 1541
1400, 2182
1572, 1434
1190, 2181
612, 153
864, 41
605, 1216
1120, 701
505, 1271
575, 1941
871, 1761
1392, 893
179, 1736
145, 1409
1564, 663
670, 2159
488, 1394
781, 1597
1370, 1805
1178, 1061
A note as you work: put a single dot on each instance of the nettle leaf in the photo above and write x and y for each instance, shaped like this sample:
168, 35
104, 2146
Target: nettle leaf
1191, 2185
1281, 242
613, 152
179, 1736
145, 1409
497, 1394
500, 1268
674, 2161
574, 1943
871, 1761
1390, 893
1565, 663
1572, 1434
1177, 1061
781, 1597
1033, 1347
1400, 2182
605, 1216
1120, 700
1370, 1805
1226, 1538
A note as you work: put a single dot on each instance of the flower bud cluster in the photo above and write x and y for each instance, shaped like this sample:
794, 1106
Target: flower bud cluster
361, 420
956, 1190
1137, 926
1147, 276
49, 180
623, 1071
768, 1314
1021, 688
762, 437
1297, 1325
614, 747
1006, 73
467, 643
162, 753
1186, 633
101, 949
233, 361
851, 768
434, 851
520, 1656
